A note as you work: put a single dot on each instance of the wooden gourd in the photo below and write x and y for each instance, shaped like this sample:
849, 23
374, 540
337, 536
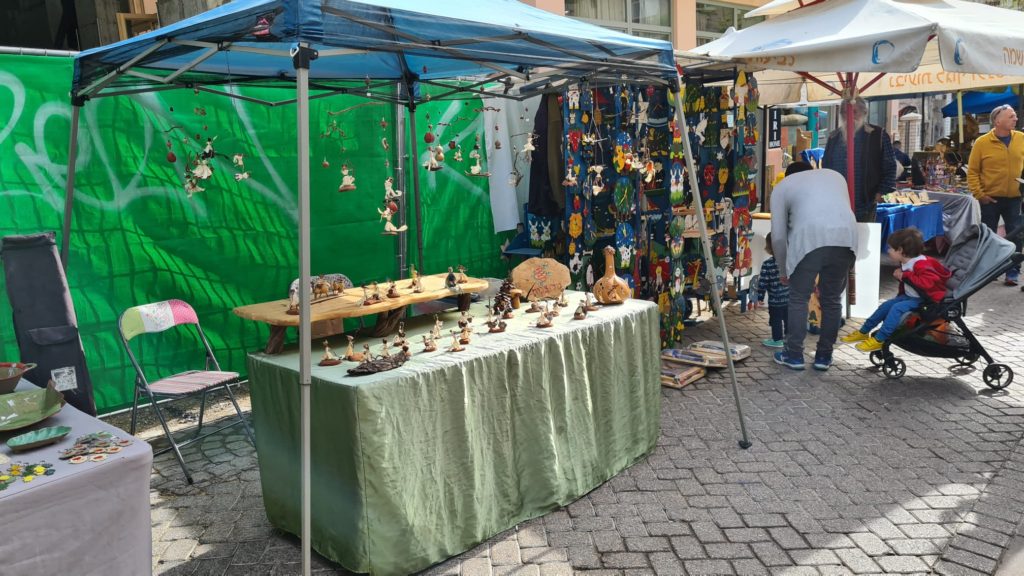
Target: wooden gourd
610, 289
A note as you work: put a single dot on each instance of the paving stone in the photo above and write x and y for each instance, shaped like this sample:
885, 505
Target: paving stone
901, 564
544, 555
687, 547
505, 553
556, 569
625, 560
666, 564
647, 544
708, 567
857, 561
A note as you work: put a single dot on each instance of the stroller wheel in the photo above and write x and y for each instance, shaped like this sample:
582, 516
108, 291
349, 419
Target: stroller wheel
877, 359
967, 360
894, 368
997, 376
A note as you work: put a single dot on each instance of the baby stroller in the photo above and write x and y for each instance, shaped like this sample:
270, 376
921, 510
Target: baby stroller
937, 329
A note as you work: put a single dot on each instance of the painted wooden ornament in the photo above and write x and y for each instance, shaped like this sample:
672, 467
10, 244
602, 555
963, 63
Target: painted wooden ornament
610, 289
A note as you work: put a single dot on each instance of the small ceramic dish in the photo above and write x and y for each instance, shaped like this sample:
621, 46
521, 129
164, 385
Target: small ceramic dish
37, 438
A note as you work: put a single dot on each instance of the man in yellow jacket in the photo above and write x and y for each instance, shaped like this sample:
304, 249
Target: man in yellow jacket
997, 160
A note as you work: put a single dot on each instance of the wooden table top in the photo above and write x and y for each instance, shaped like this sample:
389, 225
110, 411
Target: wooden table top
348, 305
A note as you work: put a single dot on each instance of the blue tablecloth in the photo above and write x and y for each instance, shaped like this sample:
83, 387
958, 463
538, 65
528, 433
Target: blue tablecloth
927, 218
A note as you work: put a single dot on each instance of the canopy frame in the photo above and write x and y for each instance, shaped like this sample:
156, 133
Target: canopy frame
627, 67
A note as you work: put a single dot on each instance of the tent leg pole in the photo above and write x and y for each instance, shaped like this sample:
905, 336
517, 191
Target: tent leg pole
400, 166
69, 186
716, 299
960, 118
415, 158
302, 56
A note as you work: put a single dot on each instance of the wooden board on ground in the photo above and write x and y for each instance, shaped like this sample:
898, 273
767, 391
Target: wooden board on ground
541, 278
680, 375
349, 304
693, 358
714, 347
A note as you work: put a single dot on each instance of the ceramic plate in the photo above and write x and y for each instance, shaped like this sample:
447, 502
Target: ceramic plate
21, 409
37, 438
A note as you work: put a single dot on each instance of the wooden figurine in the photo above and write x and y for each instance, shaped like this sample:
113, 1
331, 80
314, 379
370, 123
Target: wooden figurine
321, 288
338, 287
350, 354
348, 181
610, 289
367, 355
400, 340
417, 285
597, 184
384, 352
413, 275
389, 189
458, 154
581, 312
329, 359
465, 320
551, 310
293, 302
390, 229
545, 320
462, 275
562, 300
455, 347
429, 344
534, 307
450, 281
436, 332
393, 291
494, 324
464, 336
589, 304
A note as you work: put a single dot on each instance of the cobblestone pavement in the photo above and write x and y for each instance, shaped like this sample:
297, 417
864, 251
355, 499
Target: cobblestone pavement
849, 473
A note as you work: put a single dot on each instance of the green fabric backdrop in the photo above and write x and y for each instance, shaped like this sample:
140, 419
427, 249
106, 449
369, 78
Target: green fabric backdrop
137, 237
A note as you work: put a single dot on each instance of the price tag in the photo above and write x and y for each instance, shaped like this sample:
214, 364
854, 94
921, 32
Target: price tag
64, 378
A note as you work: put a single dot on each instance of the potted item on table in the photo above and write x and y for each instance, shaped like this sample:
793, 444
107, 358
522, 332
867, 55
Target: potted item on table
610, 289
329, 358
393, 291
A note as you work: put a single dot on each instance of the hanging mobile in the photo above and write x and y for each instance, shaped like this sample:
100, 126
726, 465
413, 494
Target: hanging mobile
476, 169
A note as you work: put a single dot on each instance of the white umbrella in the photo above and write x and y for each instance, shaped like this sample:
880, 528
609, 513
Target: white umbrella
850, 37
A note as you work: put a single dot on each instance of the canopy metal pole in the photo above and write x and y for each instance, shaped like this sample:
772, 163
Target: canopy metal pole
716, 300
69, 186
415, 159
301, 58
960, 117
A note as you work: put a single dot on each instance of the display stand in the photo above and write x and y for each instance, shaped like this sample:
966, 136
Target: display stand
350, 305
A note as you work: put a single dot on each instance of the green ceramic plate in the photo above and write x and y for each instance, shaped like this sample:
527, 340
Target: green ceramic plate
37, 438
22, 409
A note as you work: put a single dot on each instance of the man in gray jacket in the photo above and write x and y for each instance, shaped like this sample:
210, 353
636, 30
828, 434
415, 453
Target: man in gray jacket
814, 235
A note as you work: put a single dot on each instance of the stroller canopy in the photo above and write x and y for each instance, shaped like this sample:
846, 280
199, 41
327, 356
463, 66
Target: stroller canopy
979, 253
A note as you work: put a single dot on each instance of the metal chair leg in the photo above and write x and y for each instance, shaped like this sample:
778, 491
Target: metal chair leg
135, 408
202, 409
170, 438
238, 410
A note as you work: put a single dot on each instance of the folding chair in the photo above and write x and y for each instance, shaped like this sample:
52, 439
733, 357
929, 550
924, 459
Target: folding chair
158, 317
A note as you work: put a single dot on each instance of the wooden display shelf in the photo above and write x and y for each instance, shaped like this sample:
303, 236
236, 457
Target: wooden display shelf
348, 305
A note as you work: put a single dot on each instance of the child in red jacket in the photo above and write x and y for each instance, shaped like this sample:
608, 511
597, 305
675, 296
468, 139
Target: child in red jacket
917, 274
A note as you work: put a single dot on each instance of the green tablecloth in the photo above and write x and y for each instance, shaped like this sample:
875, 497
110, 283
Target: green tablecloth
420, 463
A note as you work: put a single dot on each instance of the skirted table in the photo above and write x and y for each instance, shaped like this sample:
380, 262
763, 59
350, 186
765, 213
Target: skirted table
927, 218
88, 518
420, 463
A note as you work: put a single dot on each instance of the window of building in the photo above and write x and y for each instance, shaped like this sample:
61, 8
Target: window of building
646, 18
714, 18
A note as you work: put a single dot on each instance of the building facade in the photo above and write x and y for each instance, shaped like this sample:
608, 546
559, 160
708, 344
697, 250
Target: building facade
686, 23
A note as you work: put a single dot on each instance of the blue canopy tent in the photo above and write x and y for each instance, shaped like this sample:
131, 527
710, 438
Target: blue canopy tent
980, 102
383, 49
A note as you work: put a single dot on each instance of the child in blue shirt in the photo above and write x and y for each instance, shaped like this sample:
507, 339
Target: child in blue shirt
778, 297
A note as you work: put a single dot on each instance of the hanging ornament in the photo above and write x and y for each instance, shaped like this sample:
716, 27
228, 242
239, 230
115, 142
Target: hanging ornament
325, 163
383, 123
429, 136
458, 154
171, 157
239, 161
390, 193
451, 144
384, 143
348, 181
